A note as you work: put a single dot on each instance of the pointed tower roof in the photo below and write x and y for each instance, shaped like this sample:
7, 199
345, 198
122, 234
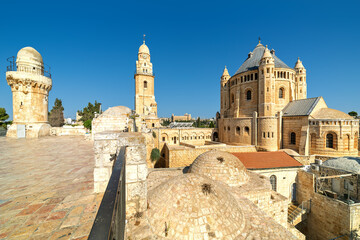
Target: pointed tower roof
225, 73
267, 53
299, 64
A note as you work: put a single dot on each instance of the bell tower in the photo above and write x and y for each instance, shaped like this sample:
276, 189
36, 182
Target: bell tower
145, 103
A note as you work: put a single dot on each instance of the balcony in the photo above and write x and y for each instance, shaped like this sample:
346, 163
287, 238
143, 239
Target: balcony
12, 67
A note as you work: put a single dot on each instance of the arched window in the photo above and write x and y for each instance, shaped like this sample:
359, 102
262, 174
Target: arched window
232, 98
247, 130
228, 128
281, 93
273, 182
237, 130
292, 138
329, 140
248, 95
145, 84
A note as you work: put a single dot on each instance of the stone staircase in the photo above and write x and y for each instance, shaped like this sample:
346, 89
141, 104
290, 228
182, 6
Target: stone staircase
295, 212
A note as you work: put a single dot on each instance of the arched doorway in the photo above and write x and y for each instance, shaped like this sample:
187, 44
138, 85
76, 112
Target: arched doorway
215, 137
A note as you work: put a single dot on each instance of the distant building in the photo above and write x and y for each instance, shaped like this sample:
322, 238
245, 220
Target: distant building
265, 104
186, 117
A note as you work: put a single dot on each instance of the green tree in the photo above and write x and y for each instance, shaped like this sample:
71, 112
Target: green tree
211, 125
165, 123
3, 114
88, 113
155, 155
353, 114
87, 124
56, 115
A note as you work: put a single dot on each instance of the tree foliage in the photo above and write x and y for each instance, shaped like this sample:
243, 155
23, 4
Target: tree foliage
3, 114
353, 114
155, 155
165, 123
87, 124
88, 113
56, 115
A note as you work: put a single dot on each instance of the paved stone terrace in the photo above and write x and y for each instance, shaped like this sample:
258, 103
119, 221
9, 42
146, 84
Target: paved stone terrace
46, 188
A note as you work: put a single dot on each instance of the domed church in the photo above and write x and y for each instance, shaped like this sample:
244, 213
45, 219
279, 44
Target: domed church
265, 104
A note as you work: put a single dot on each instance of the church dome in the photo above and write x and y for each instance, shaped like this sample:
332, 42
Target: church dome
192, 205
328, 113
144, 49
220, 166
253, 60
29, 55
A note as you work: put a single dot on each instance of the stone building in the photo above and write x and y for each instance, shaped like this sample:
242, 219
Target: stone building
145, 104
265, 104
332, 189
30, 85
279, 167
186, 117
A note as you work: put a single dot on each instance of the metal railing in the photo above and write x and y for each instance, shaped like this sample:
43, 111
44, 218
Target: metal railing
304, 206
110, 219
46, 71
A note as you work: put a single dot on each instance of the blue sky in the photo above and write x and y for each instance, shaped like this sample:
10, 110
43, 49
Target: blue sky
92, 47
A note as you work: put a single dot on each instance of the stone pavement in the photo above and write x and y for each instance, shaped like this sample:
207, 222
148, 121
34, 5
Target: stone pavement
46, 188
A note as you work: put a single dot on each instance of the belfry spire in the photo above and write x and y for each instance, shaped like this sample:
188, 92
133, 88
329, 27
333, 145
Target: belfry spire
144, 38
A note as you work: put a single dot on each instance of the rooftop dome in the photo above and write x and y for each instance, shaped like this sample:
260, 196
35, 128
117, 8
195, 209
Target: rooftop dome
220, 166
350, 164
195, 206
328, 113
144, 49
252, 62
118, 111
29, 54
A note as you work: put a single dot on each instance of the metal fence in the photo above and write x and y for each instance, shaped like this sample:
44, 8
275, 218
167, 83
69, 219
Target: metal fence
110, 219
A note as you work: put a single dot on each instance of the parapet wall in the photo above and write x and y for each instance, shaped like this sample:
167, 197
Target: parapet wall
107, 146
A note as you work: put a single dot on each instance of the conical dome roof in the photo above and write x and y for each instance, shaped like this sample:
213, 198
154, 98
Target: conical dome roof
299, 64
253, 60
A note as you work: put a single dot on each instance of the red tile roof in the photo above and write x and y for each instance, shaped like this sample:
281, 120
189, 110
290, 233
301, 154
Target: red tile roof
266, 160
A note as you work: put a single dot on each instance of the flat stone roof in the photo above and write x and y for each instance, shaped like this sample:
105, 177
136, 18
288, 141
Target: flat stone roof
46, 189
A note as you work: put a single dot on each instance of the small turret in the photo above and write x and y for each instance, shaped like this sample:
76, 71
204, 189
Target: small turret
300, 80
267, 58
225, 77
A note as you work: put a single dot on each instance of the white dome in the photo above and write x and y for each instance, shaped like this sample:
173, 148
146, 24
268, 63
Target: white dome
144, 49
29, 54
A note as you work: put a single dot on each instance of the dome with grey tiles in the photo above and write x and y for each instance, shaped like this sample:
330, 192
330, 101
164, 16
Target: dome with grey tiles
220, 166
254, 57
349, 164
196, 208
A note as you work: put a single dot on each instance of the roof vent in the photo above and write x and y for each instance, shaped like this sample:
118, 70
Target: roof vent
250, 54
272, 52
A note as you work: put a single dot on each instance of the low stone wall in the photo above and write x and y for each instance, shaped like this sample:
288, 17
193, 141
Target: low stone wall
182, 156
68, 131
305, 160
107, 146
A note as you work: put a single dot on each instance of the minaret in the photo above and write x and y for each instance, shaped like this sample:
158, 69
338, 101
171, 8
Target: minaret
300, 80
224, 92
30, 85
145, 103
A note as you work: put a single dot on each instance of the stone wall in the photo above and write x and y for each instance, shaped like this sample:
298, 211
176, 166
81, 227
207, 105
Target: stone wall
285, 178
304, 186
68, 131
182, 156
107, 146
